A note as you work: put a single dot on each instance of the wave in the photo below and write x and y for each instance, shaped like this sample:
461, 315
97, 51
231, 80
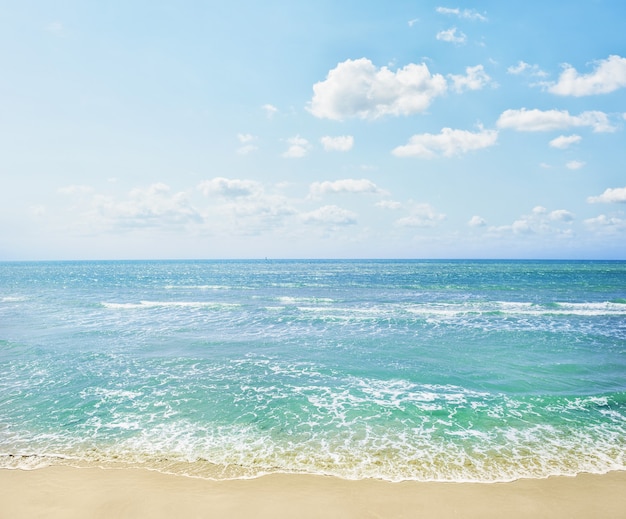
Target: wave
522, 308
169, 304
12, 299
197, 287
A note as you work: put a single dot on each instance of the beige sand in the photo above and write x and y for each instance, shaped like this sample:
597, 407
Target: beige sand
65, 492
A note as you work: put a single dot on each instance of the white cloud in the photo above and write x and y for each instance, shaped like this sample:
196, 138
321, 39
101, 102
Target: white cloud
523, 67
540, 121
475, 79
341, 143
451, 36
246, 139
422, 215
608, 76
539, 222
413, 22
613, 195
468, 14
575, 164
229, 188
477, 221
298, 147
329, 215
270, 110
561, 215
247, 149
152, 207
604, 224
388, 204
565, 141
348, 185
357, 88
447, 143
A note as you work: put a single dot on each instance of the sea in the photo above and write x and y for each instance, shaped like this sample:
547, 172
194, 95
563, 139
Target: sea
478, 371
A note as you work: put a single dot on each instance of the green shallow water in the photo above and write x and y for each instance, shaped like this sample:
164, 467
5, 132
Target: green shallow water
454, 371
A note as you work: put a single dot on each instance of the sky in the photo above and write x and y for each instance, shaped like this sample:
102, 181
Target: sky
218, 129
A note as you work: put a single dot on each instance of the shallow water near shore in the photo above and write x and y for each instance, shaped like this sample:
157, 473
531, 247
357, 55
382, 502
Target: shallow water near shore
398, 370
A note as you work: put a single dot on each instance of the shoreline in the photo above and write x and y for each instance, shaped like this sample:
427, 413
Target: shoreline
68, 492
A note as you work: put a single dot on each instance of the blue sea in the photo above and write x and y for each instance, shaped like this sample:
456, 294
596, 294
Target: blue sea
399, 370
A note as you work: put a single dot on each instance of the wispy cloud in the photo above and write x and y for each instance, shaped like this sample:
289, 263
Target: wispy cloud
270, 110
329, 215
340, 143
247, 140
525, 68
575, 164
298, 147
421, 215
467, 14
452, 36
565, 141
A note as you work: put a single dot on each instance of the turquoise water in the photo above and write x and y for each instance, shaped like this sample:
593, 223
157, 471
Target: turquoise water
418, 370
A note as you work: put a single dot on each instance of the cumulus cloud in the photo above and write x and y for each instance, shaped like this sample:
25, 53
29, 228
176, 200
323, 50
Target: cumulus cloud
341, 143
565, 141
612, 195
357, 88
348, 185
298, 147
604, 224
475, 79
329, 215
229, 188
575, 164
539, 221
608, 76
451, 36
468, 14
535, 120
477, 221
447, 143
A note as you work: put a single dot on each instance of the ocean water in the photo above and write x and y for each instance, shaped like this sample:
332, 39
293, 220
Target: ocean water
400, 370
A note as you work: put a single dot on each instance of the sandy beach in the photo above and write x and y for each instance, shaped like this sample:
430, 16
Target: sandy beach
65, 492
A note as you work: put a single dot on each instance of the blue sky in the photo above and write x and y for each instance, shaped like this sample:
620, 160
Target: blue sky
326, 129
